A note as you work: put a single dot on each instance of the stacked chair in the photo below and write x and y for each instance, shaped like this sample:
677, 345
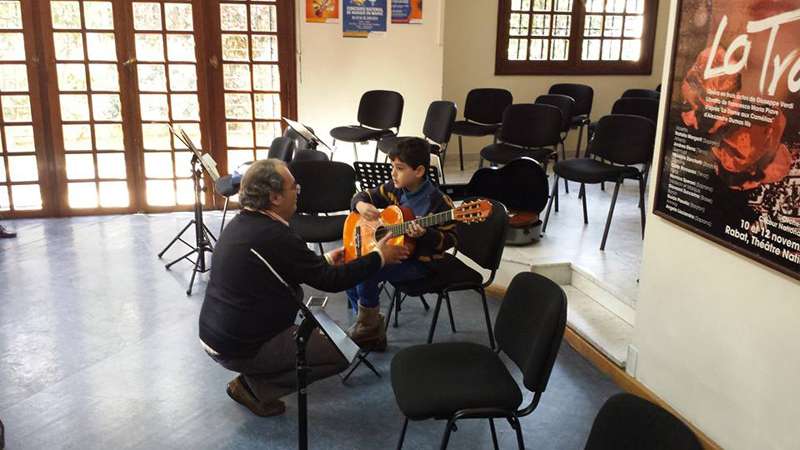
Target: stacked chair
581, 113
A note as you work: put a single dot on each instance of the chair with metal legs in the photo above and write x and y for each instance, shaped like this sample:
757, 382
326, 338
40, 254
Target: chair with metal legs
483, 115
378, 113
462, 380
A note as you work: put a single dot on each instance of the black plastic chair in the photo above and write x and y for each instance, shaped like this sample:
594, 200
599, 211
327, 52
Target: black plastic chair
282, 148
437, 130
326, 187
628, 422
529, 129
483, 243
309, 155
622, 140
641, 93
455, 381
483, 115
637, 106
566, 105
581, 114
378, 113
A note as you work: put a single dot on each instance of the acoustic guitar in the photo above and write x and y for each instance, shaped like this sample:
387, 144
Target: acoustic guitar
361, 235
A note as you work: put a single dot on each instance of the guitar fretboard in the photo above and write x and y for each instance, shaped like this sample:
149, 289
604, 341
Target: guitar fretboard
427, 221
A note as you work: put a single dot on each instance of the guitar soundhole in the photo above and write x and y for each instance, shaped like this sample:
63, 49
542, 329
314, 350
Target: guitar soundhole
380, 232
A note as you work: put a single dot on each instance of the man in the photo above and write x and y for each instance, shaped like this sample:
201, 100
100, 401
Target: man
247, 319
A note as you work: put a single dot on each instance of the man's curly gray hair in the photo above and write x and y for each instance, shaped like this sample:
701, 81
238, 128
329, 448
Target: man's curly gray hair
261, 179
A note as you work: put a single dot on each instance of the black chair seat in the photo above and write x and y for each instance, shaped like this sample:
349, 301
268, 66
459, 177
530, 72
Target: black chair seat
465, 128
436, 380
503, 153
318, 228
590, 171
448, 273
355, 133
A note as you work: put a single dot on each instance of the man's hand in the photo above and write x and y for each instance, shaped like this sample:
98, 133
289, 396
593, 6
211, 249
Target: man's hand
336, 256
392, 254
368, 210
415, 230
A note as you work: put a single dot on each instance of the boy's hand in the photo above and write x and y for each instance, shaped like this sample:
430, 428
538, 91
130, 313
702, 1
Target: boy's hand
415, 230
368, 210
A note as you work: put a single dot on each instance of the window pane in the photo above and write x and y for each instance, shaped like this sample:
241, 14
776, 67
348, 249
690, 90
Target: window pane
65, 15
23, 168
631, 49
267, 106
611, 49
12, 47
80, 167
185, 192
266, 77
559, 50
108, 136
13, 78
266, 132
635, 7
146, 16
16, 108
160, 193
98, 15
183, 164
104, 77
149, 47
239, 134
101, 46
615, 6
541, 25
27, 197
265, 48
111, 165
519, 24
158, 165
152, 78
154, 107
82, 195
561, 25
156, 136
114, 194
542, 5
185, 107
71, 77
233, 17
593, 26
77, 137
237, 77
5, 203
591, 50
107, 107
238, 157
539, 49
520, 5
10, 15
235, 47
594, 5
633, 26
563, 6
178, 16
238, 106
263, 18
180, 47
613, 26
517, 49
68, 46
182, 77
20, 139
193, 130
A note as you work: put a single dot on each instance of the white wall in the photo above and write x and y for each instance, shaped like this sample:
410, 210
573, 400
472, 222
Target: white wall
719, 337
334, 71
469, 50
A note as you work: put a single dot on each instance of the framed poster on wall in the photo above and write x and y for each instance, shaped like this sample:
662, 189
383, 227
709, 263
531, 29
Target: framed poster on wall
730, 163
322, 11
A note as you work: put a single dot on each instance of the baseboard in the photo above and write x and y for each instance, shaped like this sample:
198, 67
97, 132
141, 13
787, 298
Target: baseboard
618, 375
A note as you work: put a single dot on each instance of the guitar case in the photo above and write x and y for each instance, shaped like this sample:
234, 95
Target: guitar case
521, 185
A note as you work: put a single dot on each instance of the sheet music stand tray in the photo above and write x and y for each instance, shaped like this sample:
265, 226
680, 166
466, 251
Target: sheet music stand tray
312, 139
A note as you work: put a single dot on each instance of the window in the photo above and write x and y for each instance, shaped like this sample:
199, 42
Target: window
592, 37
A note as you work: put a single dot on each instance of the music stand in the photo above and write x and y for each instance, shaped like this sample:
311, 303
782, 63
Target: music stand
312, 139
314, 318
202, 235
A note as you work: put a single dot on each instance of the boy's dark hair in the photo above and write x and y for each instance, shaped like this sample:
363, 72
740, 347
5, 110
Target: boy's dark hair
413, 151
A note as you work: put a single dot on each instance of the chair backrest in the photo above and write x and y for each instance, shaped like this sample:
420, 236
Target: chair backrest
326, 186
637, 106
583, 95
483, 242
486, 105
564, 103
641, 93
628, 422
521, 185
530, 326
309, 155
624, 139
282, 148
380, 109
373, 174
439, 121
531, 125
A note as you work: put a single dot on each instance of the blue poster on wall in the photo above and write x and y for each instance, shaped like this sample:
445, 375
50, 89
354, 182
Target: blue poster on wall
363, 16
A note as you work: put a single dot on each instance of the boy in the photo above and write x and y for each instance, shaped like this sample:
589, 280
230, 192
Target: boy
410, 187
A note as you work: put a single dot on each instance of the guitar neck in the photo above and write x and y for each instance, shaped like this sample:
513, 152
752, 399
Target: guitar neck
427, 221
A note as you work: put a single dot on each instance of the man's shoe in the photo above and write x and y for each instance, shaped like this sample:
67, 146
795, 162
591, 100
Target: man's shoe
368, 332
6, 233
242, 395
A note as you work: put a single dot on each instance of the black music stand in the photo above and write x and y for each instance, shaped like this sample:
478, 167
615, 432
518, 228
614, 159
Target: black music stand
312, 139
312, 318
202, 235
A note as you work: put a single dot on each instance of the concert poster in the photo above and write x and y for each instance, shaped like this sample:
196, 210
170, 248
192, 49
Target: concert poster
322, 11
361, 17
730, 163
406, 11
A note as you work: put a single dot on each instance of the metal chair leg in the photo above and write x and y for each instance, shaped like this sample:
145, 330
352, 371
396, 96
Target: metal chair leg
518, 428
355, 152
460, 153
450, 312
435, 318
424, 303
397, 310
580, 140
553, 197
610, 213
446, 438
494, 433
488, 319
321, 250
391, 308
402, 433
583, 199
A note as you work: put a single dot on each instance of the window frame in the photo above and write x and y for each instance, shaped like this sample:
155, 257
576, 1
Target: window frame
574, 65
